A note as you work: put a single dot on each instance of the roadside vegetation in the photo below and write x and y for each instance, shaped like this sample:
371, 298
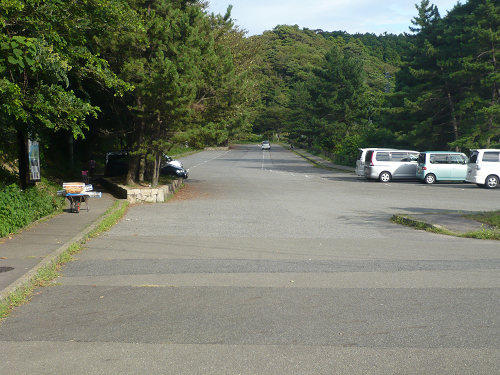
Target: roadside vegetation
490, 218
20, 208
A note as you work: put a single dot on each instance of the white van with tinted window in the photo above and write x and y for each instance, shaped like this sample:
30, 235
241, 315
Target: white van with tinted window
393, 164
360, 161
484, 168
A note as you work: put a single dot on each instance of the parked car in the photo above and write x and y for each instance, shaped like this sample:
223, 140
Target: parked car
484, 168
385, 165
173, 170
116, 163
360, 161
436, 166
168, 160
265, 145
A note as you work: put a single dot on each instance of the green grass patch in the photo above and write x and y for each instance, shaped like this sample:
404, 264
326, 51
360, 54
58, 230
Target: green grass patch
113, 215
491, 218
409, 222
485, 234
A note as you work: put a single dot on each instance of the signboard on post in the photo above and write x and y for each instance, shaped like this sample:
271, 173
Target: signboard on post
33, 162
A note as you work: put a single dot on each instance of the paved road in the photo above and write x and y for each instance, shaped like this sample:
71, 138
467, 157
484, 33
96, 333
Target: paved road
265, 264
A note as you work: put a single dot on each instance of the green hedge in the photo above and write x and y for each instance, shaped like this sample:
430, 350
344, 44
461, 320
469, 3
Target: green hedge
20, 208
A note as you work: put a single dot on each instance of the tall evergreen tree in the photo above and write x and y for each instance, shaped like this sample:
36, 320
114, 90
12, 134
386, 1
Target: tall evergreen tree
339, 96
431, 94
477, 26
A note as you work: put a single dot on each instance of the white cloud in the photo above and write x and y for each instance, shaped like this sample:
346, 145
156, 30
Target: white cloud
392, 16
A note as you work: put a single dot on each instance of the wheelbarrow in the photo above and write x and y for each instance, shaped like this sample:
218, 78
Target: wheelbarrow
76, 200
78, 193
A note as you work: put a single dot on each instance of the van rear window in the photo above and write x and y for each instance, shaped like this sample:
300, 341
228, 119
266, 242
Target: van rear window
491, 156
368, 157
399, 156
382, 156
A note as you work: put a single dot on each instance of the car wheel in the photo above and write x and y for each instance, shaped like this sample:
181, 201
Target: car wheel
430, 178
384, 177
491, 182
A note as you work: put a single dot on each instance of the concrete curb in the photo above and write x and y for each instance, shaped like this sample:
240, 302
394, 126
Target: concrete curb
414, 222
25, 279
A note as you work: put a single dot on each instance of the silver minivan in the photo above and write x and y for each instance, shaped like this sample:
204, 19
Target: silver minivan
360, 161
484, 168
385, 165
441, 166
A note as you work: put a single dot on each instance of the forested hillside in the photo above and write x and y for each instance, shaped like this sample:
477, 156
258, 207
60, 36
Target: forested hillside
435, 87
147, 76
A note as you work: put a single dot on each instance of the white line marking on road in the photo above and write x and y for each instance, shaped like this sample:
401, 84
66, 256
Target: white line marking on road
206, 161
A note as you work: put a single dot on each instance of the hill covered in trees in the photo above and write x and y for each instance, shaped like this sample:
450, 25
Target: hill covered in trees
435, 87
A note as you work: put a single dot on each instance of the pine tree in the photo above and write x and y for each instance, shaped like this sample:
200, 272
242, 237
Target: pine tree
339, 96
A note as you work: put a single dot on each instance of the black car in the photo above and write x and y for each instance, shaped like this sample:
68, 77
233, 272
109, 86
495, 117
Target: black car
116, 163
172, 170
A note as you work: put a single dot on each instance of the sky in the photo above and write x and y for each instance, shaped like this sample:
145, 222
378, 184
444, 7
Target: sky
352, 16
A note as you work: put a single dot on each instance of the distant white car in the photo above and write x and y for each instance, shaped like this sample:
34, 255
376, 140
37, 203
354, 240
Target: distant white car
169, 160
266, 145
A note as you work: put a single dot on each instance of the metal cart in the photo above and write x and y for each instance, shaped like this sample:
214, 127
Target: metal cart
76, 200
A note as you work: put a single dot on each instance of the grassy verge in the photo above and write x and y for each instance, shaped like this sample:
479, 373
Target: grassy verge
490, 218
46, 275
408, 222
315, 164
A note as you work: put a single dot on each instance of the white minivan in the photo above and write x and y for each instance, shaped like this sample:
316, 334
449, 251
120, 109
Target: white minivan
484, 168
392, 164
360, 161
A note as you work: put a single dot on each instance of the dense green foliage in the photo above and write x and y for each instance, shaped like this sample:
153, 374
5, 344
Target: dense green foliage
327, 90
436, 87
87, 77
20, 208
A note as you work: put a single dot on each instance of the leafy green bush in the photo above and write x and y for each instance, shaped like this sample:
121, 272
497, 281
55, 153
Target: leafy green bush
20, 208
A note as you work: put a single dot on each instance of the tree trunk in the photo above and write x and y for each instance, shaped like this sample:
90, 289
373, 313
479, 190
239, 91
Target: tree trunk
134, 159
142, 168
156, 170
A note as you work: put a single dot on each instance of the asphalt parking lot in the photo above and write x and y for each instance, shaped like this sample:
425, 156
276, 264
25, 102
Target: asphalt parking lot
263, 263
